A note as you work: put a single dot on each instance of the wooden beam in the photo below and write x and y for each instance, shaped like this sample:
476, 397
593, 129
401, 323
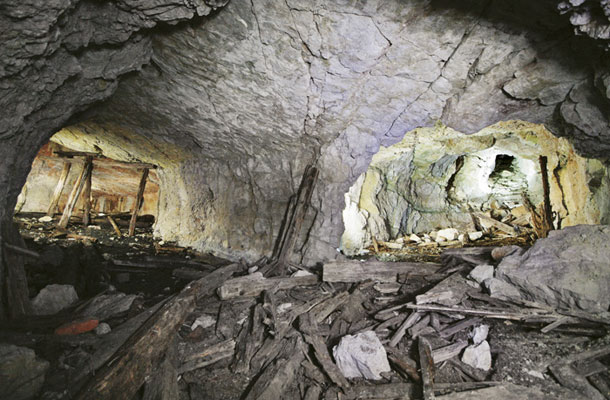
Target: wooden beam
547, 212
14, 294
426, 365
114, 226
74, 194
99, 157
125, 372
138, 203
87, 196
295, 222
59, 188
357, 271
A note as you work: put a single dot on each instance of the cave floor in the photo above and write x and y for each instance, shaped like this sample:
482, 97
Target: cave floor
208, 360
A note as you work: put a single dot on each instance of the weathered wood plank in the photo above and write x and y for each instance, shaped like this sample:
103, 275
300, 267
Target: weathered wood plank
356, 271
138, 204
253, 285
124, 374
75, 194
59, 188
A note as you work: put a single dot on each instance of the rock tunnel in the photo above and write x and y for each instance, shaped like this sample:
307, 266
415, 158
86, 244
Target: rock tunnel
416, 115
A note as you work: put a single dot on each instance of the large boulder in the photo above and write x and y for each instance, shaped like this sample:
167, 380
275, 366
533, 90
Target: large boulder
569, 269
21, 372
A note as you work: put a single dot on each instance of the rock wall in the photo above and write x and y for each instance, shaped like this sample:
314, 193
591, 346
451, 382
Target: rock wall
284, 83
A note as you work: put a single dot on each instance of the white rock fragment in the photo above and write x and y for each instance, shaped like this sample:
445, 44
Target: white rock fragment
282, 308
481, 273
102, 329
478, 356
414, 238
479, 334
361, 356
447, 234
475, 235
301, 273
205, 321
53, 298
535, 374
46, 218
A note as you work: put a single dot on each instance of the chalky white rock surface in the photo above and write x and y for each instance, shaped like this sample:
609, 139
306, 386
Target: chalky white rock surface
478, 356
361, 356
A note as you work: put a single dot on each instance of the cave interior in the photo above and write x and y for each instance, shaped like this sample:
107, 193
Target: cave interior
229, 199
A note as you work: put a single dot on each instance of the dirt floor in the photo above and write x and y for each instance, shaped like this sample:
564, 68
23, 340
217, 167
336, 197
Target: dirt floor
97, 261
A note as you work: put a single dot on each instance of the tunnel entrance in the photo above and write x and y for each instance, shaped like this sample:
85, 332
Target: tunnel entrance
467, 187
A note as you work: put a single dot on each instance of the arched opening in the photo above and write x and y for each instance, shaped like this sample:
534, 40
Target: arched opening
437, 179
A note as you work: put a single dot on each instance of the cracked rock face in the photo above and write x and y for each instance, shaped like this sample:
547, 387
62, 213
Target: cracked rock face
234, 106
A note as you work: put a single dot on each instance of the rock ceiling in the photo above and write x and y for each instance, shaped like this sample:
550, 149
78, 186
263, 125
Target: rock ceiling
235, 102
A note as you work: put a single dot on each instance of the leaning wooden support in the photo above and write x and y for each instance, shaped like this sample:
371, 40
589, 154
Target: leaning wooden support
87, 199
14, 295
295, 221
138, 203
75, 193
426, 364
114, 226
138, 357
59, 188
547, 212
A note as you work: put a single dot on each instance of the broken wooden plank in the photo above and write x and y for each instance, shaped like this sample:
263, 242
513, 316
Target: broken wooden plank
137, 357
201, 356
254, 284
496, 224
100, 157
558, 322
459, 326
482, 313
75, 194
189, 274
250, 341
397, 390
138, 203
426, 364
22, 251
409, 322
14, 294
87, 196
446, 388
547, 212
569, 378
279, 375
59, 188
405, 365
295, 222
309, 328
356, 271
114, 226
445, 353
163, 385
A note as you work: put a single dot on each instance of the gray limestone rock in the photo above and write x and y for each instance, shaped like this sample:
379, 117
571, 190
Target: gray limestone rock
569, 269
22, 374
54, 298
102, 329
481, 273
361, 356
501, 290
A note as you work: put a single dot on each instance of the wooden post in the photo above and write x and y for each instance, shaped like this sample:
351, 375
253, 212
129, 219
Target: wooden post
87, 197
295, 222
138, 203
14, 295
547, 212
59, 188
76, 190
114, 226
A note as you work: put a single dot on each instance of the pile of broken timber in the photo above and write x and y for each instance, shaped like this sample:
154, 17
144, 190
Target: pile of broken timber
279, 331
